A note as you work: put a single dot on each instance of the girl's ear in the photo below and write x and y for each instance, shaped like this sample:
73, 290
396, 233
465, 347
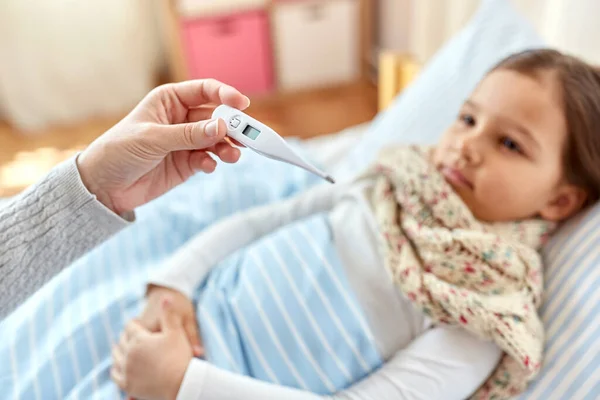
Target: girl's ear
569, 199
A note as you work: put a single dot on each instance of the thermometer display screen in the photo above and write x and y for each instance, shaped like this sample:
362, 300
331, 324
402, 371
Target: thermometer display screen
251, 132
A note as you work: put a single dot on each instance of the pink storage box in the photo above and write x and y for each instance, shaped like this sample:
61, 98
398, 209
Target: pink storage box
235, 49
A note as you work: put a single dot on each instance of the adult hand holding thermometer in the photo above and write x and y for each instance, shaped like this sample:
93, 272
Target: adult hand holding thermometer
262, 139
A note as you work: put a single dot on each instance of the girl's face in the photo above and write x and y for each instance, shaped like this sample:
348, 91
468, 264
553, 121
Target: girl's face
504, 153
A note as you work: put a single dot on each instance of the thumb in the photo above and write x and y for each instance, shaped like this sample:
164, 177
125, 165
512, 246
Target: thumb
169, 320
192, 135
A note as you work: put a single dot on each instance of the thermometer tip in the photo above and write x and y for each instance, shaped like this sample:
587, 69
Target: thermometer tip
329, 179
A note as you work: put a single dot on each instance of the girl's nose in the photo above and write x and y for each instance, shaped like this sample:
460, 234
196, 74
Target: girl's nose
469, 148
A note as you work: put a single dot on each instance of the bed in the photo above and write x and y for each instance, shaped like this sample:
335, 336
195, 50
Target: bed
57, 345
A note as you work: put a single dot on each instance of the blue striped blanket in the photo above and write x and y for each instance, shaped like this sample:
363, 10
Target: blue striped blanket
281, 310
57, 344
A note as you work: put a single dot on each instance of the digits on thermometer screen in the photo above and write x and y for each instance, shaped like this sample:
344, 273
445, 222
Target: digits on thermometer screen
251, 132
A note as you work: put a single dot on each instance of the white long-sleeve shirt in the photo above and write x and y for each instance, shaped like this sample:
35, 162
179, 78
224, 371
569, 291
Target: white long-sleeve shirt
423, 361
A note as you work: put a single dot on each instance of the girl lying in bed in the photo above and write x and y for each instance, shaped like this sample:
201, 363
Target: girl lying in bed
420, 279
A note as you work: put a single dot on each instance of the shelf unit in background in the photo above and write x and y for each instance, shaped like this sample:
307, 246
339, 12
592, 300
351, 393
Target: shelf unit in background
269, 47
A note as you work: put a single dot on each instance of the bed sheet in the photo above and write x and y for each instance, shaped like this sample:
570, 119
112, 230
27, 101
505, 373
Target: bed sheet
57, 344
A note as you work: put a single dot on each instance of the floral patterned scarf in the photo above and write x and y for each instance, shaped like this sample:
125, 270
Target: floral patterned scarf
486, 278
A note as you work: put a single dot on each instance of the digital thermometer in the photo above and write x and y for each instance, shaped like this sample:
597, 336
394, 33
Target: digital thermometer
262, 139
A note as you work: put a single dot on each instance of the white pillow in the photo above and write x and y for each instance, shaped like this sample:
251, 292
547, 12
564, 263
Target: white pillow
571, 312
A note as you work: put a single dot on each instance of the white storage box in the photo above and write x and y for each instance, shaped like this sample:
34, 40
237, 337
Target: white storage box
317, 42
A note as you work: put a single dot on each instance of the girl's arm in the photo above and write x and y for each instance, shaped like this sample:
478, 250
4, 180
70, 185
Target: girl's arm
188, 267
443, 363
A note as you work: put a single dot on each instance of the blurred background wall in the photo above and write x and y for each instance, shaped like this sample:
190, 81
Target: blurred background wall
66, 60
564, 24
63, 61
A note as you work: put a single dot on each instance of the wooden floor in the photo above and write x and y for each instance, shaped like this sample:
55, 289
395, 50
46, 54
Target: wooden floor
26, 158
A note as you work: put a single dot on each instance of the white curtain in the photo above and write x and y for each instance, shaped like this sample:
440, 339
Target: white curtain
569, 25
66, 60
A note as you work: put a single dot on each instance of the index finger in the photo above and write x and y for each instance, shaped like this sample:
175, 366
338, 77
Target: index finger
194, 93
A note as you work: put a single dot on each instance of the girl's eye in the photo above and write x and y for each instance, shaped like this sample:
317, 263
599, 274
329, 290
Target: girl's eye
467, 119
511, 145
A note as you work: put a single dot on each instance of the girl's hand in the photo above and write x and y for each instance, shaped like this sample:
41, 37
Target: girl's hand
150, 365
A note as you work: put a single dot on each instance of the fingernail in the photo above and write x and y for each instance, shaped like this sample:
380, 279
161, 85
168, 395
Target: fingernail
212, 129
247, 101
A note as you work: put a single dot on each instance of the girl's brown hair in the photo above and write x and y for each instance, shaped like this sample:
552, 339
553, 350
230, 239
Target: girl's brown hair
579, 83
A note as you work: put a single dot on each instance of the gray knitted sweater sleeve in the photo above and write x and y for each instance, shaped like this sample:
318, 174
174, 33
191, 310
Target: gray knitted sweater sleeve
47, 227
